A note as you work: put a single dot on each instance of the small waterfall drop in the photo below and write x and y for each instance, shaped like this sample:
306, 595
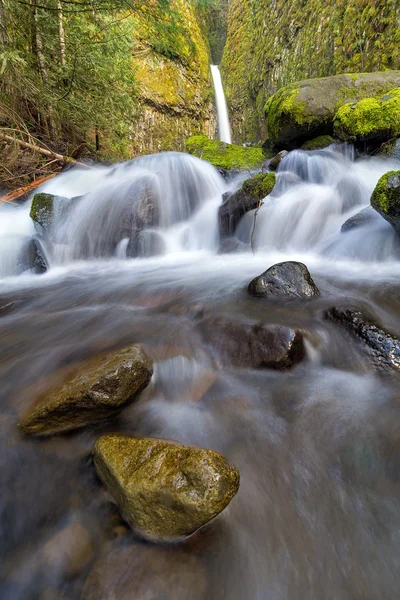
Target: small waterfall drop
224, 128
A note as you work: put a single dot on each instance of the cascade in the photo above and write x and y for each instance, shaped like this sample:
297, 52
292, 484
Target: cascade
224, 129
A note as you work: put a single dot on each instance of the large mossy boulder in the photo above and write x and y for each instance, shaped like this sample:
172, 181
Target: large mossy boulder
89, 392
386, 198
225, 156
164, 490
371, 119
381, 346
306, 109
247, 198
291, 280
246, 343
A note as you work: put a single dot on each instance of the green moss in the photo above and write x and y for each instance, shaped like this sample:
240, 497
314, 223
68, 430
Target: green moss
42, 209
318, 143
224, 156
260, 186
386, 196
377, 117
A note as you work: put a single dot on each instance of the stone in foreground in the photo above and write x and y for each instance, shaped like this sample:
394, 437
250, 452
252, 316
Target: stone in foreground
382, 346
94, 390
288, 279
164, 490
386, 198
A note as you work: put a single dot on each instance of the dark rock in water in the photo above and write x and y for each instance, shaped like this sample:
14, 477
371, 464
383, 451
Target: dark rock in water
146, 572
245, 199
383, 347
146, 243
36, 257
89, 392
252, 344
287, 279
276, 161
232, 245
386, 198
364, 217
43, 209
164, 490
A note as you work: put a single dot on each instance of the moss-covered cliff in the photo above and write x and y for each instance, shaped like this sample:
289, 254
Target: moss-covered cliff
171, 60
274, 42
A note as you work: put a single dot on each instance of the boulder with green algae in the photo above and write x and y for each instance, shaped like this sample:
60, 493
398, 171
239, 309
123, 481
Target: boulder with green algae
42, 210
89, 392
306, 109
386, 198
376, 118
164, 490
247, 198
319, 143
223, 155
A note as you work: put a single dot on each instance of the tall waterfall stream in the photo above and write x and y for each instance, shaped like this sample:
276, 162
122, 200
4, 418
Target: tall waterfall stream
317, 515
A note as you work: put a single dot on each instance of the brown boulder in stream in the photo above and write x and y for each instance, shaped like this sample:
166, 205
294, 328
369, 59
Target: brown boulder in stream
91, 391
252, 344
164, 490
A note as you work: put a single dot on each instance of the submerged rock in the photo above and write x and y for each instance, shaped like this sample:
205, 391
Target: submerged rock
245, 199
306, 109
364, 217
288, 279
91, 391
232, 245
386, 198
146, 572
252, 344
383, 347
164, 490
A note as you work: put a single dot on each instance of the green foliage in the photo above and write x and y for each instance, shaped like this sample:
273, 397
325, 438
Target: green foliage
260, 186
386, 196
377, 117
224, 156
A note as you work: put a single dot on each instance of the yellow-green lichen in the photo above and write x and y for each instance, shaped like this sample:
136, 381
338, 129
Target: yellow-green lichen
318, 143
386, 195
224, 156
260, 186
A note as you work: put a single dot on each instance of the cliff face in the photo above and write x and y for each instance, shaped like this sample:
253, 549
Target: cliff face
175, 92
274, 42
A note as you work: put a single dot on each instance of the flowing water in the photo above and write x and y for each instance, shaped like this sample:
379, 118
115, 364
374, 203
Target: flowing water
318, 512
224, 128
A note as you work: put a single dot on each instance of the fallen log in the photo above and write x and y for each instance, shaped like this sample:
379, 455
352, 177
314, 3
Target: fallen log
15, 194
67, 160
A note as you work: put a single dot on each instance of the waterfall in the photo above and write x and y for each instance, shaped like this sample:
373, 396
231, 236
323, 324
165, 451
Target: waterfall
224, 128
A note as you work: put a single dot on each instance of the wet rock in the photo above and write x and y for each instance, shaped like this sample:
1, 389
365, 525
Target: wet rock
319, 143
146, 572
69, 551
43, 209
386, 198
245, 199
287, 280
231, 246
364, 217
164, 490
91, 391
36, 257
383, 347
276, 161
252, 344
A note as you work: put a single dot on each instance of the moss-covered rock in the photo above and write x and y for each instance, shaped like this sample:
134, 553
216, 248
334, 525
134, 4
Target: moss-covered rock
223, 155
307, 109
42, 210
89, 392
376, 118
247, 198
164, 490
271, 44
386, 198
319, 143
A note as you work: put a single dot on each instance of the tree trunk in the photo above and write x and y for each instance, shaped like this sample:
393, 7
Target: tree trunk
61, 33
3, 25
41, 60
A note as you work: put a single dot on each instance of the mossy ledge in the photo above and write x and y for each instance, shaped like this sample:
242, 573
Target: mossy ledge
319, 143
224, 156
260, 186
307, 109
